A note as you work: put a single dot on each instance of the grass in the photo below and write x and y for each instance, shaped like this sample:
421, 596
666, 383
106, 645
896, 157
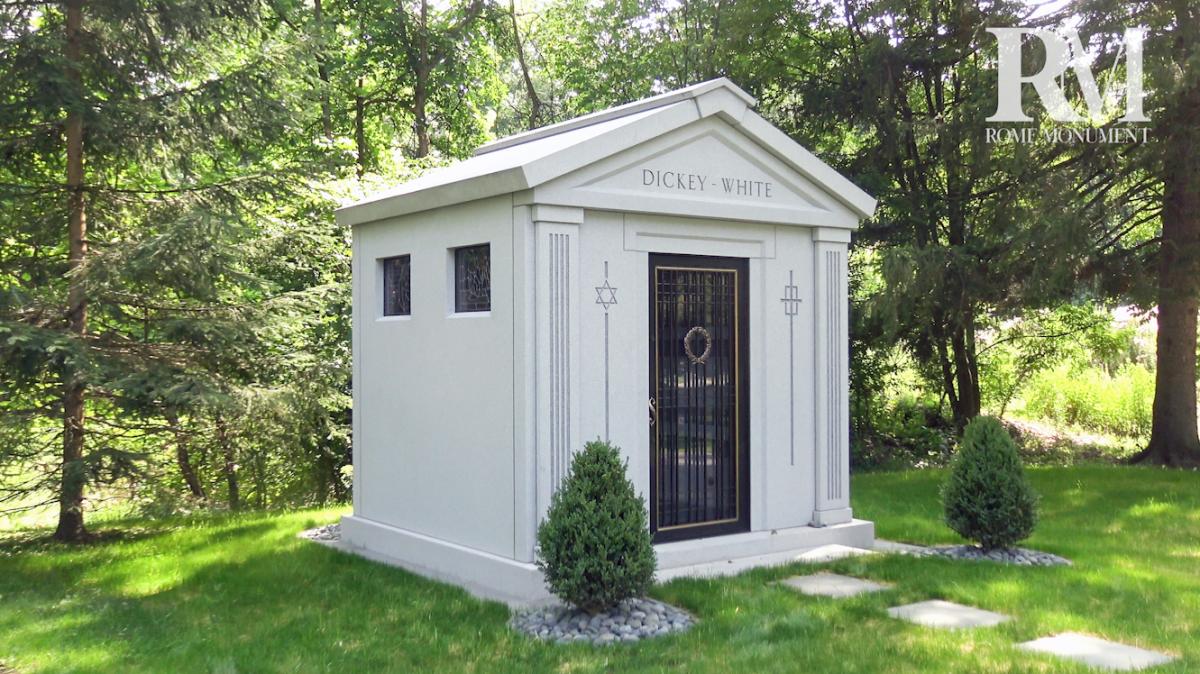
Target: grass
240, 593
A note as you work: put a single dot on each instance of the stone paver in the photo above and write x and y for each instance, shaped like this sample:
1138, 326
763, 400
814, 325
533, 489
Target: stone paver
946, 615
832, 585
830, 553
1096, 652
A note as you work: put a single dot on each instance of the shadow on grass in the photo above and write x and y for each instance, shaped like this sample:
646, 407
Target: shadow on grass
31, 541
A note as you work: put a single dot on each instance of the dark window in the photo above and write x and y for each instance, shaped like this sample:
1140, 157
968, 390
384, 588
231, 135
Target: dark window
473, 278
397, 286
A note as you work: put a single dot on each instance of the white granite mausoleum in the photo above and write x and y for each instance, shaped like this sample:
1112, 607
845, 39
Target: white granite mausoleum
669, 275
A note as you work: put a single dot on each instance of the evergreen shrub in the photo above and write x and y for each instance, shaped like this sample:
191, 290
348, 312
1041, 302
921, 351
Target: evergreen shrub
987, 497
595, 547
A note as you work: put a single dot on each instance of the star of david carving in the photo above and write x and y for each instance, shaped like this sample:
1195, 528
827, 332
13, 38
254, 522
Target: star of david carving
606, 295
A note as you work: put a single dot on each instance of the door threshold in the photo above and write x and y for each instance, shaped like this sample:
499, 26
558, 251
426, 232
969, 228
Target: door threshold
790, 541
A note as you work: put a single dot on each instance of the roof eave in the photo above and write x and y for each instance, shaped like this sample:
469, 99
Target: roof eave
505, 181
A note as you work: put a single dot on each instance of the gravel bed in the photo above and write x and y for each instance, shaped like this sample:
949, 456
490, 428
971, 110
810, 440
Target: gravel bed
630, 620
329, 532
1018, 556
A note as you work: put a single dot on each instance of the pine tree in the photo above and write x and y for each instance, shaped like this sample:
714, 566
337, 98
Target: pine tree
1172, 83
143, 144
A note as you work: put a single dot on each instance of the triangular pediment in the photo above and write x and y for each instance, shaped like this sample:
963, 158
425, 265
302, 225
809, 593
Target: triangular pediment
699, 151
706, 169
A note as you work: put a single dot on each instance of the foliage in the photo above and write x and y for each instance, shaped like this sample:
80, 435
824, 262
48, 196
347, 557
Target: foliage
217, 136
898, 99
1093, 399
1018, 349
987, 497
214, 319
1078, 377
1093, 372
594, 545
585, 56
907, 432
406, 83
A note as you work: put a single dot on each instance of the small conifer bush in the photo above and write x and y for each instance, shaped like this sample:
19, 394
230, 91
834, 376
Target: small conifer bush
594, 544
987, 497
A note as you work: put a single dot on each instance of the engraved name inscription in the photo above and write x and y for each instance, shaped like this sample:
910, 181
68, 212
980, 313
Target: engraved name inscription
698, 182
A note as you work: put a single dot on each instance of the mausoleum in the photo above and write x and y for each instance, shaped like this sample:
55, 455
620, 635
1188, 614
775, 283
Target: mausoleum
668, 275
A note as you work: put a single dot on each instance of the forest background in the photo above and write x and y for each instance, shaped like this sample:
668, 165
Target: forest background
174, 292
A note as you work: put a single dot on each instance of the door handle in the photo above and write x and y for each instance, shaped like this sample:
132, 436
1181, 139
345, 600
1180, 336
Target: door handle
653, 413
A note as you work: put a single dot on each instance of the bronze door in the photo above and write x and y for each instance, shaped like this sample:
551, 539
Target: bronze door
699, 436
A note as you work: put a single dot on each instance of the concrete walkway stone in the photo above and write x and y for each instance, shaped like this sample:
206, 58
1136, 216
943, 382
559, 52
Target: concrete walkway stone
1096, 652
832, 585
946, 615
830, 553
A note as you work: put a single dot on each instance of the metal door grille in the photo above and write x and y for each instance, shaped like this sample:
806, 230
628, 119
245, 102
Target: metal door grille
697, 435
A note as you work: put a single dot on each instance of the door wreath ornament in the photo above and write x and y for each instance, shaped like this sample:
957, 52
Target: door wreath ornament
697, 331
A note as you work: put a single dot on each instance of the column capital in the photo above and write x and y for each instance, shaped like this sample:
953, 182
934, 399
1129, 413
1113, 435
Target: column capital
567, 215
831, 235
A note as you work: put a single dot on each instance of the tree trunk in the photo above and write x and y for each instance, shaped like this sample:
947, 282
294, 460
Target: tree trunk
183, 457
962, 334
1173, 435
421, 84
966, 377
360, 132
260, 481
535, 102
420, 120
230, 468
74, 472
323, 70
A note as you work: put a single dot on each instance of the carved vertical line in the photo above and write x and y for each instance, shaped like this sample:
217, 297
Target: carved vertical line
829, 401
606, 395
563, 410
791, 313
565, 350
553, 332
554, 361
837, 371
559, 330
606, 297
834, 371
792, 392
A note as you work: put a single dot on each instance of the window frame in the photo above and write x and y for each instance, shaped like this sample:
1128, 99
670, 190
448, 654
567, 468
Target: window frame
457, 288
383, 285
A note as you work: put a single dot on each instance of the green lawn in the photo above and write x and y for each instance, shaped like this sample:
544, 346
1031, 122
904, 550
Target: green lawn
243, 594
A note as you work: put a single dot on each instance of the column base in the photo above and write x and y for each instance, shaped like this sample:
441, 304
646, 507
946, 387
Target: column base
825, 518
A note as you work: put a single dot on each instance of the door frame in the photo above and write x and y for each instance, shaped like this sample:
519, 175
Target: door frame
740, 266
